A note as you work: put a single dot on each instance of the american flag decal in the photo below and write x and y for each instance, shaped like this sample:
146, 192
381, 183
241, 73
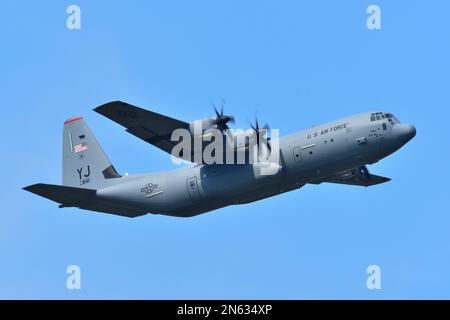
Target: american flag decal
80, 147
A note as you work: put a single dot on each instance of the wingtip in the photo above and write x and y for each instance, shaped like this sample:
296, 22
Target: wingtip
27, 188
31, 187
99, 108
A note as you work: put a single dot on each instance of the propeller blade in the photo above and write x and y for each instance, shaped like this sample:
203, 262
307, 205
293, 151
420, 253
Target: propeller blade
260, 133
222, 119
269, 146
216, 111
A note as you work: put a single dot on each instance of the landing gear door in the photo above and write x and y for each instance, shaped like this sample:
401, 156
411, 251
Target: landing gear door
193, 189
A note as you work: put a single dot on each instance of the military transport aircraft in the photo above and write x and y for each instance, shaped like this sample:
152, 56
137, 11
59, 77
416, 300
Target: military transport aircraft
335, 152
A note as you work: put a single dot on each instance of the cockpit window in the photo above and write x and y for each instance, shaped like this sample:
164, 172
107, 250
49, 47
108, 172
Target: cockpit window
380, 115
375, 116
392, 119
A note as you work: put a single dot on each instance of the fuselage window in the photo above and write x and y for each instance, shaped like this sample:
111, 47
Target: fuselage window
372, 118
384, 126
378, 117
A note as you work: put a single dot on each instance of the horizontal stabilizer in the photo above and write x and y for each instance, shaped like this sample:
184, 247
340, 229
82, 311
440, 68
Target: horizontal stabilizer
66, 196
81, 198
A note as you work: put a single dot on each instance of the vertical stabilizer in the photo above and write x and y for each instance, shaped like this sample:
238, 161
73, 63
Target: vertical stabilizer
85, 165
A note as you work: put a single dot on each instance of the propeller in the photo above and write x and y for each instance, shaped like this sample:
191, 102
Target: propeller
222, 119
260, 133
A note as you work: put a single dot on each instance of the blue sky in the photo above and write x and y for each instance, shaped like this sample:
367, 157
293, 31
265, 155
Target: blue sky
295, 64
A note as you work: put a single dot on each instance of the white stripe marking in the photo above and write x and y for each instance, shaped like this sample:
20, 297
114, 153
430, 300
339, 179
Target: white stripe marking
70, 141
155, 194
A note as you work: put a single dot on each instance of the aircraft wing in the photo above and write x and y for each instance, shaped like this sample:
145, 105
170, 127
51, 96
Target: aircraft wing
358, 177
149, 126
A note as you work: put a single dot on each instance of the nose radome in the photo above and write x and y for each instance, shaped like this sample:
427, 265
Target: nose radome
404, 131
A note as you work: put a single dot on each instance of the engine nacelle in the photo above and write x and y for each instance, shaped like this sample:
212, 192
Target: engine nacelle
198, 127
242, 140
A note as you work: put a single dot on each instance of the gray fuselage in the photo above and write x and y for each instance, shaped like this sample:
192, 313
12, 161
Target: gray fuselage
305, 157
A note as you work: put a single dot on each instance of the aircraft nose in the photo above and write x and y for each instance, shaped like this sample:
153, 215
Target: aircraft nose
404, 131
